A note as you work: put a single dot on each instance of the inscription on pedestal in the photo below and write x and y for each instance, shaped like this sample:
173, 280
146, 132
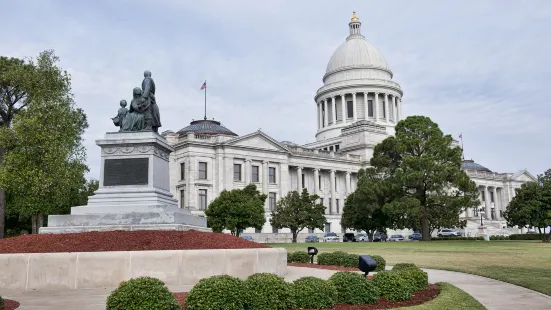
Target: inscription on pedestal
128, 171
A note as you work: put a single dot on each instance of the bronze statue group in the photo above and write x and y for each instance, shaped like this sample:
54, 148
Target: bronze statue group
143, 114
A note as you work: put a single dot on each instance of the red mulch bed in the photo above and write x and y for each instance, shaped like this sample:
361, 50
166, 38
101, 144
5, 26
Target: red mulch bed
418, 298
144, 240
10, 304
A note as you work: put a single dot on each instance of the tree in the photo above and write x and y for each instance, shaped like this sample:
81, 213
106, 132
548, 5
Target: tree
237, 210
426, 171
21, 84
44, 159
532, 206
363, 209
298, 211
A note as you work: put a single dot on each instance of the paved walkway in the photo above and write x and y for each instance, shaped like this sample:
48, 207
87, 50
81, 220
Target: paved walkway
491, 293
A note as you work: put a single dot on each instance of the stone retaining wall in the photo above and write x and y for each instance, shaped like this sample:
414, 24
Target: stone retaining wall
62, 271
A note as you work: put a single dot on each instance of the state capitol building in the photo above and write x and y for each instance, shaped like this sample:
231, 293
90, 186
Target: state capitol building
357, 107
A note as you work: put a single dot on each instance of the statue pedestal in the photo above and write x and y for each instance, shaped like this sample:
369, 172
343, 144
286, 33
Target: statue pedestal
134, 190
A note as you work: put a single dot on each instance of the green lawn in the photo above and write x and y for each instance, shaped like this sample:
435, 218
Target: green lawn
524, 263
450, 298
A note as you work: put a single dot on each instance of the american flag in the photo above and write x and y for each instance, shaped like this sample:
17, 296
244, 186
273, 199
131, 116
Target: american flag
460, 136
204, 85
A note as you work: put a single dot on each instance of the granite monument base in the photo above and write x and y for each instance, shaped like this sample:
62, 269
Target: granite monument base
134, 190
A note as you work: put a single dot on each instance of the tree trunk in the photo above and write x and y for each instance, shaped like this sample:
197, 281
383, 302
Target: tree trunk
295, 233
40, 221
34, 222
2, 202
369, 235
426, 226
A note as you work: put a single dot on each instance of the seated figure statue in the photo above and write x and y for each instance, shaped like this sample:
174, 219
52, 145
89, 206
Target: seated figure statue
137, 117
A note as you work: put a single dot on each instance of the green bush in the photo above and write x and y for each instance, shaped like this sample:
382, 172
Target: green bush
392, 286
417, 279
142, 293
525, 237
298, 257
338, 258
402, 266
381, 262
354, 289
456, 238
217, 292
311, 292
1, 302
267, 291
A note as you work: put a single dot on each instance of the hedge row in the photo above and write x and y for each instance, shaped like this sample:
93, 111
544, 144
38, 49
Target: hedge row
298, 257
344, 259
525, 237
456, 238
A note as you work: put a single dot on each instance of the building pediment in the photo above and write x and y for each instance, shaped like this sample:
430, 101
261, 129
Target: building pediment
257, 140
523, 176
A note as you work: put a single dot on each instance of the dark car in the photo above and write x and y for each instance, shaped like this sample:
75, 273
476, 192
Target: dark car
415, 236
247, 238
312, 239
378, 237
349, 237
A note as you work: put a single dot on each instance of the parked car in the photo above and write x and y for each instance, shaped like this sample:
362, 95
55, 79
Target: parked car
247, 238
448, 233
379, 237
362, 238
415, 236
396, 238
349, 237
312, 239
331, 237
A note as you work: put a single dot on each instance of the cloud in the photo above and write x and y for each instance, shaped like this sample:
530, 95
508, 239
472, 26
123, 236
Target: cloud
476, 67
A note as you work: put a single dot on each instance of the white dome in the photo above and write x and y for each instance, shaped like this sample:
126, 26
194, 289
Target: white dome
356, 52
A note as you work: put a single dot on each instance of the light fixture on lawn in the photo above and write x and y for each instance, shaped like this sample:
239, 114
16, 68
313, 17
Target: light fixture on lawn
367, 264
312, 251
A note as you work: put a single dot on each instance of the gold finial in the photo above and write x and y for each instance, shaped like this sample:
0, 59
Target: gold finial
354, 17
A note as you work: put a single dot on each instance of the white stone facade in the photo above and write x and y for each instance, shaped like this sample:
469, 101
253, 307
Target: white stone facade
209, 158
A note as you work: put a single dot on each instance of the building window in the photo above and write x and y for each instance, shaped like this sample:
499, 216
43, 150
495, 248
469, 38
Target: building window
501, 213
327, 227
182, 171
310, 231
349, 109
493, 212
491, 196
337, 205
256, 175
275, 230
323, 115
319, 181
384, 108
370, 108
202, 170
329, 211
237, 172
303, 185
182, 198
272, 201
272, 175
336, 185
202, 199
336, 147
483, 196
331, 148
258, 231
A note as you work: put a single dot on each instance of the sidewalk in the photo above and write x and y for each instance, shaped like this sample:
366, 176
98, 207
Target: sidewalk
494, 295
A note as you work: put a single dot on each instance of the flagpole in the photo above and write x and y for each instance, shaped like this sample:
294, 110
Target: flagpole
205, 99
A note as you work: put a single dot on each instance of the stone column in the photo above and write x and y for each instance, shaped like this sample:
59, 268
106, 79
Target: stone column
386, 108
248, 171
319, 116
496, 204
376, 110
265, 177
488, 210
316, 181
333, 111
347, 183
325, 113
299, 179
284, 180
366, 107
394, 110
399, 108
333, 193
343, 107
354, 108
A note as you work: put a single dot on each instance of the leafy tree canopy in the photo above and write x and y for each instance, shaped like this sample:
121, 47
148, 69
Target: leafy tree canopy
298, 211
431, 188
236, 210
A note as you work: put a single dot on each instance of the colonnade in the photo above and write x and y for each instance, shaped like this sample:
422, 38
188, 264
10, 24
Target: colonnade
493, 203
379, 107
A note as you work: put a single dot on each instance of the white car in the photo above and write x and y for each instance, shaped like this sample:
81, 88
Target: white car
449, 233
362, 238
331, 237
396, 238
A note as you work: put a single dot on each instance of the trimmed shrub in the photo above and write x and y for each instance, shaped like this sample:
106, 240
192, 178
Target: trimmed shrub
381, 262
456, 238
311, 292
354, 289
298, 257
217, 292
392, 286
525, 237
402, 266
338, 258
267, 291
1, 302
142, 293
417, 279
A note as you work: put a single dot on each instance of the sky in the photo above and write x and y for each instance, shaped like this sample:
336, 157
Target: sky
480, 68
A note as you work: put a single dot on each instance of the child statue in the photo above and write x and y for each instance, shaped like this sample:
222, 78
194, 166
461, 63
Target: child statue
119, 119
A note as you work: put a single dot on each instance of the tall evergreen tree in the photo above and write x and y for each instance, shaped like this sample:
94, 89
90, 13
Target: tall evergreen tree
432, 190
